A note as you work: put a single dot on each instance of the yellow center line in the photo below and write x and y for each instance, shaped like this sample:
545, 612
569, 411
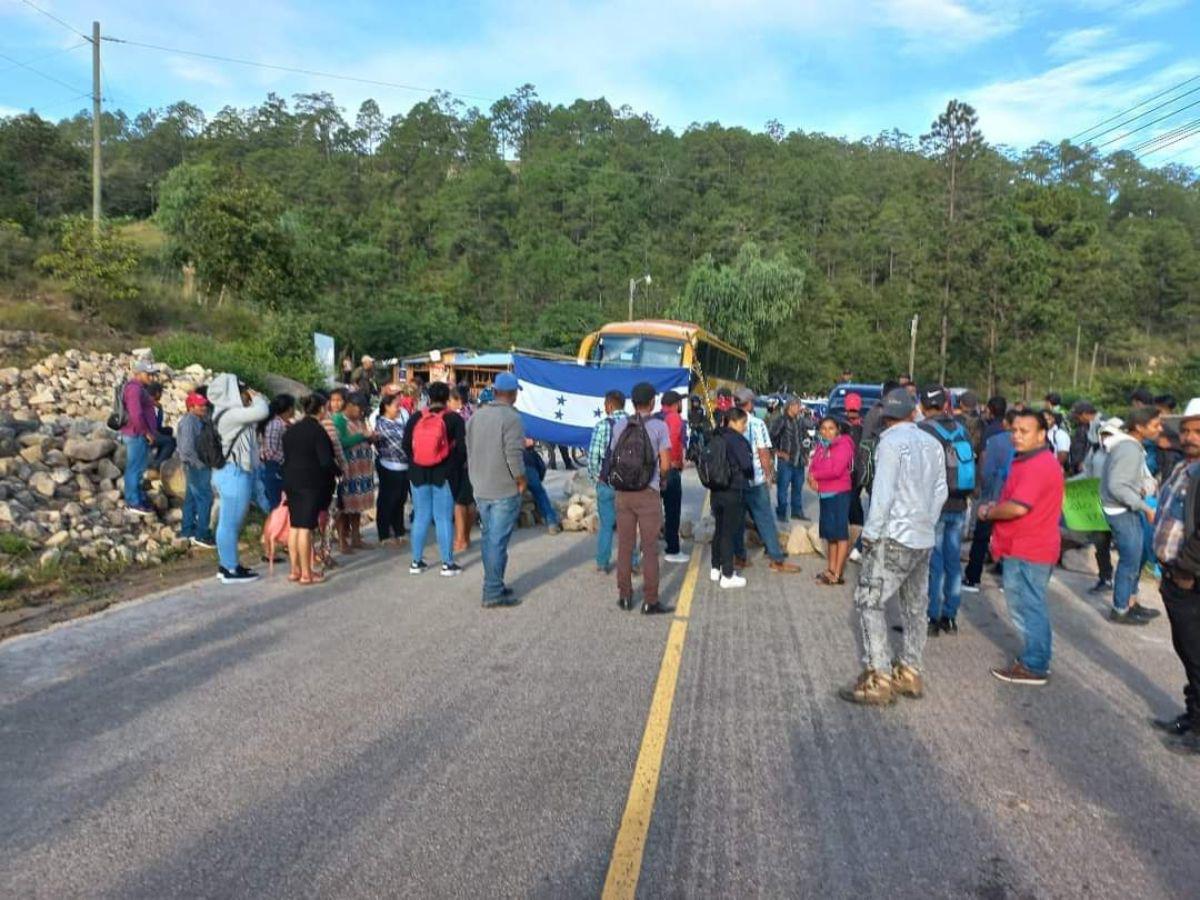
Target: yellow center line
626, 864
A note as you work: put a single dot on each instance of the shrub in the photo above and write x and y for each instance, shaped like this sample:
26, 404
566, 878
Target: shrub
250, 358
13, 544
98, 268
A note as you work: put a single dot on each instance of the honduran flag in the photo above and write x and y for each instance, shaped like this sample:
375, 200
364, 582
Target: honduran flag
561, 402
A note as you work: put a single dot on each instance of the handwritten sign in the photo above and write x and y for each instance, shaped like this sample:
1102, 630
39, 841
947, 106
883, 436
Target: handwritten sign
1081, 505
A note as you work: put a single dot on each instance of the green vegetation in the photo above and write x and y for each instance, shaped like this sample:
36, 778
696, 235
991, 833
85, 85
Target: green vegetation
523, 224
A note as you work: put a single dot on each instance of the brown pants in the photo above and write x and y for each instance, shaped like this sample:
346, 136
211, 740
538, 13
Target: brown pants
638, 510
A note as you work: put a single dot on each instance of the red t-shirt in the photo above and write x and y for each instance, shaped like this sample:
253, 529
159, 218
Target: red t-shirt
678, 434
1036, 482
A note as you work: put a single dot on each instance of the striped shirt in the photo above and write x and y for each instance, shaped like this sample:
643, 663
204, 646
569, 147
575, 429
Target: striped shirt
1169, 526
598, 446
390, 446
272, 445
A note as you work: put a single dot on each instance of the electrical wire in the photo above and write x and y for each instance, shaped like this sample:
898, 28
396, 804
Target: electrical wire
1166, 135
1192, 133
1169, 115
22, 65
297, 70
1141, 114
1123, 112
45, 56
49, 15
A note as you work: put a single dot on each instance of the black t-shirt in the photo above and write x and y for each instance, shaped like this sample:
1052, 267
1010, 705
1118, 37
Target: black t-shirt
453, 468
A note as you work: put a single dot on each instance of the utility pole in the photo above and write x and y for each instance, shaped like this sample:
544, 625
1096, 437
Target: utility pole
912, 347
1078, 337
95, 127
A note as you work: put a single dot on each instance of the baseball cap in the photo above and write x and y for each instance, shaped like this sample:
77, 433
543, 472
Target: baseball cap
643, 393
853, 402
1082, 407
506, 381
670, 398
898, 405
968, 400
146, 366
194, 399
744, 395
1112, 426
933, 396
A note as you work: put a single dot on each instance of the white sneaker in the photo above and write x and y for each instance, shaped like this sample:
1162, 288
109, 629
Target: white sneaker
677, 558
733, 581
855, 556
714, 574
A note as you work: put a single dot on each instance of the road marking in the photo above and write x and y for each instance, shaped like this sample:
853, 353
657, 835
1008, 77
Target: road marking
626, 864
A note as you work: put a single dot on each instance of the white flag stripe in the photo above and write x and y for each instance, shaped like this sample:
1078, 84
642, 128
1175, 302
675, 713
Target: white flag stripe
565, 408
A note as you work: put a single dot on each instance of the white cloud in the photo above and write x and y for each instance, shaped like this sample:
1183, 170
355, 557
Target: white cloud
1131, 9
1073, 44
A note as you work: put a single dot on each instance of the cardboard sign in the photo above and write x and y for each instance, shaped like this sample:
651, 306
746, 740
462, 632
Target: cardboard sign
1081, 506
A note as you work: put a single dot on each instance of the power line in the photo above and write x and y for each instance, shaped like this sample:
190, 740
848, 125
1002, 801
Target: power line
45, 56
1192, 133
49, 15
22, 65
1141, 114
1169, 115
298, 71
1123, 112
1165, 136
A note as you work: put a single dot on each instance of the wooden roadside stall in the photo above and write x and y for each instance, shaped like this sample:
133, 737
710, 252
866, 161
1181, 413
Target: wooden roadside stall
457, 365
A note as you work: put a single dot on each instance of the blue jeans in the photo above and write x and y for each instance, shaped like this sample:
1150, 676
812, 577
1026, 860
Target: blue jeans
271, 476
164, 449
945, 566
1025, 586
540, 497
433, 504
1127, 535
197, 504
497, 519
606, 509
789, 480
137, 458
236, 488
758, 504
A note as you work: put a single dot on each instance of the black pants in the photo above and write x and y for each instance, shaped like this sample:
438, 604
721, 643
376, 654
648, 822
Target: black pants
856, 507
1102, 540
566, 457
728, 512
672, 498
979, 552
389, 502
1183, 610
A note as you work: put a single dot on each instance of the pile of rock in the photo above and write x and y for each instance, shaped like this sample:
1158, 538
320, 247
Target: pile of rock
61, 467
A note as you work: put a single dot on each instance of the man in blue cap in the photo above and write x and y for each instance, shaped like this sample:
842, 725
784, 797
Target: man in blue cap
495, 460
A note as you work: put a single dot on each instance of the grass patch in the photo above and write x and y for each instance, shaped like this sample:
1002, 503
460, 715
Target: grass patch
248, 358
41, 316
13, 544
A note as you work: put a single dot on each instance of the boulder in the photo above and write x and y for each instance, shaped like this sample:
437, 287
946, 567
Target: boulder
575, 513
814, 538
174, 478
89, 449
32, 454
43, 483
108, 470
58, 539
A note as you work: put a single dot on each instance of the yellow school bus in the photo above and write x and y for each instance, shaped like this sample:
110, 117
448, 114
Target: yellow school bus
666, 343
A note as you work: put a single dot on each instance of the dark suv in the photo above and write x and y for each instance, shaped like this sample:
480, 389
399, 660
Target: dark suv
870, 393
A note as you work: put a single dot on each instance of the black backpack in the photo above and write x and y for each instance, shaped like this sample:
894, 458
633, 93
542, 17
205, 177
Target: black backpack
712, 465
633, 461
208, 443
119, 417
862, 472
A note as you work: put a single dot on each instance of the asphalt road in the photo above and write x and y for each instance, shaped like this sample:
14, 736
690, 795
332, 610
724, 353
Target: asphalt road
381, 735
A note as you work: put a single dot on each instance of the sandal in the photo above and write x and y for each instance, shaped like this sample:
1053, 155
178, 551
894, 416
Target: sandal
827, 578
315, 578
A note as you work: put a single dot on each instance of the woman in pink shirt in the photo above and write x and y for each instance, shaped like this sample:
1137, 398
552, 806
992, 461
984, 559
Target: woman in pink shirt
829, 475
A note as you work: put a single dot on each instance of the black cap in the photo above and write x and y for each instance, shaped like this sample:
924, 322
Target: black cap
643, 393
933, 396
670, 398
1082, 408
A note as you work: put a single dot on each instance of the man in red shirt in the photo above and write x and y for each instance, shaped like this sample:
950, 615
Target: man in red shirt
1026, 537
672, 491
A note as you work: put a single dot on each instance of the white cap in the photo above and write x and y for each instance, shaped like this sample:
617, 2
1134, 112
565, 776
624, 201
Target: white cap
1112, 426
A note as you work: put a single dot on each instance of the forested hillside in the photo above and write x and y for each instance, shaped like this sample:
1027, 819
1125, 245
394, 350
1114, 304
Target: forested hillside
523, 225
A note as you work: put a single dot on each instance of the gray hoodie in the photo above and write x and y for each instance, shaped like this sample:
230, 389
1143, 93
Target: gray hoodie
236, 421
1125, 477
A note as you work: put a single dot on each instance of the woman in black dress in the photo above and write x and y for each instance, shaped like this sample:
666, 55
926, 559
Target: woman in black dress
309, 472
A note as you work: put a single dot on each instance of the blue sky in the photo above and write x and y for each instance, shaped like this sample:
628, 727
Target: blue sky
1033, 70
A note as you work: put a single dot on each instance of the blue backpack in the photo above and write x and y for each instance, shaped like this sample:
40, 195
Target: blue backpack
960, 458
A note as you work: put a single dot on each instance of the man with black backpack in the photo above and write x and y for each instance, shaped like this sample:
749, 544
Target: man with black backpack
638, 462
945, 564
1177, 547
196, 525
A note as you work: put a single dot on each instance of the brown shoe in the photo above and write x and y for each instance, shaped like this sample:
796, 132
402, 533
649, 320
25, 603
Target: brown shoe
740, 562
1018, 674
871, 689
906, 681
783, 566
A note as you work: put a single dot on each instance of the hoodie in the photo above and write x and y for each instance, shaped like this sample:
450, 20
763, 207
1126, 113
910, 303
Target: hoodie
830, 466
235, 421
1125, 478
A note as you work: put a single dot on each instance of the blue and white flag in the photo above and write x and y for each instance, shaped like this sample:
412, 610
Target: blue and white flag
561, 402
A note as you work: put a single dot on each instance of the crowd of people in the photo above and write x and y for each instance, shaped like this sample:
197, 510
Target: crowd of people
936, 468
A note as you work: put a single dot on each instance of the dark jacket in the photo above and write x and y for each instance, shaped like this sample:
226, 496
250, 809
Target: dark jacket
787, 436
741, 460
308, 459
453, 467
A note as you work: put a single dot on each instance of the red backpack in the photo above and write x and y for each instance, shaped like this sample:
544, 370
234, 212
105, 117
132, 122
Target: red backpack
431, 442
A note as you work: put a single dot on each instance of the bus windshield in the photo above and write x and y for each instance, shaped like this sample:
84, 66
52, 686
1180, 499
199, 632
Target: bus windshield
636, 350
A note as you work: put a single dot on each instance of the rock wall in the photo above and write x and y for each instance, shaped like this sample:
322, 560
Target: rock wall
61, 467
